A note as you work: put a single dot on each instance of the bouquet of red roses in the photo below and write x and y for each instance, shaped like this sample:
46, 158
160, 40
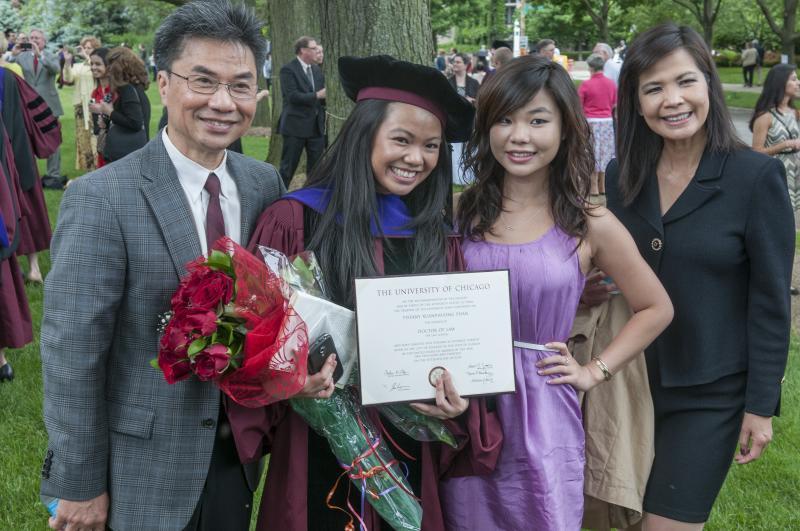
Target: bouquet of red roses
230, 324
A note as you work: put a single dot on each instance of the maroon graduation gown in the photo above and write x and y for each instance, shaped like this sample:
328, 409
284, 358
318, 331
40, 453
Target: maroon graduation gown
278, 430
34, 132
16, 328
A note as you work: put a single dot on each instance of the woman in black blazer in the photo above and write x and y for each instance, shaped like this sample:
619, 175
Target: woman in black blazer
129, 112
713, 219
464, 84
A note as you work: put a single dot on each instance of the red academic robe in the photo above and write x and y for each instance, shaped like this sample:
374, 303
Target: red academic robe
279, 431
34, 132
16, 328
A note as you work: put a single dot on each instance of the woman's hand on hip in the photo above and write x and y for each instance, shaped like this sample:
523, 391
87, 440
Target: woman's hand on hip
567, 369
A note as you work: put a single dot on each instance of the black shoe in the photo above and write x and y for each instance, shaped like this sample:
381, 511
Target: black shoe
6, 373
53, 183
794, 291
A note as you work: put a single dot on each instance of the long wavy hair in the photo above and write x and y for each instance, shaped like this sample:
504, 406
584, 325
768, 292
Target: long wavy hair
126, 68
638, 147
511, 88
342, 239
774, 91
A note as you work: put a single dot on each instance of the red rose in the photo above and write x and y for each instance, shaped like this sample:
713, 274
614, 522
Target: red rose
204, 288
204, 322
172, 355
211, 362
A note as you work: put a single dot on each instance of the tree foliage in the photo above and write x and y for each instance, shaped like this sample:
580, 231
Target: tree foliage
108, 19
705, 13
784, 27
578, 24
9, 16
474, 21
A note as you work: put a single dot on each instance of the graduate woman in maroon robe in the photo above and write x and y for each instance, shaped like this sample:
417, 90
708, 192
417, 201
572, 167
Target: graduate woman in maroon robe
16, 329
378, 203
34, 132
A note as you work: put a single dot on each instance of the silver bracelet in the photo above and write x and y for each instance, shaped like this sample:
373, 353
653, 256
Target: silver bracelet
603, 368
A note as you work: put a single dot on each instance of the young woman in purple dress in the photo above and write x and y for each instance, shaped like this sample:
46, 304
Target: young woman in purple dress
528, 211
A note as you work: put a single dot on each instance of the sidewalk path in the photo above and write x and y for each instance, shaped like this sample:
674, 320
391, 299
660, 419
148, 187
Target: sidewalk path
737, 87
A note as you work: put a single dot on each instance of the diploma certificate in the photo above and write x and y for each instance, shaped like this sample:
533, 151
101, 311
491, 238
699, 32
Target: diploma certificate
411, 328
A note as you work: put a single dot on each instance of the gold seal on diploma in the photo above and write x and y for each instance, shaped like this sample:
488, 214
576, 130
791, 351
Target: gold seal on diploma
435, 374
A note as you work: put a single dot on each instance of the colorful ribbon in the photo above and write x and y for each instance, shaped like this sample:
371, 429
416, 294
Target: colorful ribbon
363, 475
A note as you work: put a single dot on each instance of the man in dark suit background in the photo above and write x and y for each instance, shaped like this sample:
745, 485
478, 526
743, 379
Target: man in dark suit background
302, 122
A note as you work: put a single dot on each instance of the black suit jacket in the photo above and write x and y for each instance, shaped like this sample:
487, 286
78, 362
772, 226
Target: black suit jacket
471, 85
303, 115
724, 253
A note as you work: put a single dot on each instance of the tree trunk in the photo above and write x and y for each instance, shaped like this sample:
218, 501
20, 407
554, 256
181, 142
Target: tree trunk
705, 12
708, 33
789, 36
369, 27
288, 21
262, 117
599, 15
708, 23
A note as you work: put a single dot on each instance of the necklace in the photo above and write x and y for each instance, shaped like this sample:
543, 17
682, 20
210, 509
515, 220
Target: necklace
524, 222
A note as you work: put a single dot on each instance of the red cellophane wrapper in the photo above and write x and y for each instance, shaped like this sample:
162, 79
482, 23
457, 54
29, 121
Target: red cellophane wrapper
274, 365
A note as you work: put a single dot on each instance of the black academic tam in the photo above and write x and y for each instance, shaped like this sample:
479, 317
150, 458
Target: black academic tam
383, 71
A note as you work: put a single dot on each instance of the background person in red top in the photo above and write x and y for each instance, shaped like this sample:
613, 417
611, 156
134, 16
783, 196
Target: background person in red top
599, 97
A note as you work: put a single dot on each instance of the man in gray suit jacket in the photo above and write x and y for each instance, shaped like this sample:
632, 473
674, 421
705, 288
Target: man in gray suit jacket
126, 449
40, 69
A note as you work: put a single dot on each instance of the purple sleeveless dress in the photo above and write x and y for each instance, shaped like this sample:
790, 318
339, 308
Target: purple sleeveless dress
538, 482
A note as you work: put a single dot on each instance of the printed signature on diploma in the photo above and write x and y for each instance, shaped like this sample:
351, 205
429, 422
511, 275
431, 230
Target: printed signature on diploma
480, 369
398, 387
396, 373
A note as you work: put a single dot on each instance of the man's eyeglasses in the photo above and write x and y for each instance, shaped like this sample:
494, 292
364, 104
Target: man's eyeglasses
203, 84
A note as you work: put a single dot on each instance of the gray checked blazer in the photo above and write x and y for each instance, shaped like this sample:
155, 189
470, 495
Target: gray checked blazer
44, 79
124, 235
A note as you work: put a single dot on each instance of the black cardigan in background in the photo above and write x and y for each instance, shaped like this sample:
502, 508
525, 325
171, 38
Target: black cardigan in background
132, 109
471, 85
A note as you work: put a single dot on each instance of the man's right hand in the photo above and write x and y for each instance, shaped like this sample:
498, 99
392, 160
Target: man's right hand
321, 94
81, 515
320, 385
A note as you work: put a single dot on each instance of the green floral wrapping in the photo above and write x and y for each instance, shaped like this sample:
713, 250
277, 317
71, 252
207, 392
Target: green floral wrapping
366, 460
416, 425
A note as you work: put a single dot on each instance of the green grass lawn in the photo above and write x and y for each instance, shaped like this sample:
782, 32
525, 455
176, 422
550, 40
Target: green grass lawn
733, 74
760, 496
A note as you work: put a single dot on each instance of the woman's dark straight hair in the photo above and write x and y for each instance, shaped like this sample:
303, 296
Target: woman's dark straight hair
773, 91
342, 239
509, 89
638, 147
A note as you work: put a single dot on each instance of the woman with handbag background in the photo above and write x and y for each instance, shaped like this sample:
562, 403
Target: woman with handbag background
129, 112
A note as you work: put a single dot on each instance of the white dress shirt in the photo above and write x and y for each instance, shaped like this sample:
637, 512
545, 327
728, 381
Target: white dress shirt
192, 177
611, 70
